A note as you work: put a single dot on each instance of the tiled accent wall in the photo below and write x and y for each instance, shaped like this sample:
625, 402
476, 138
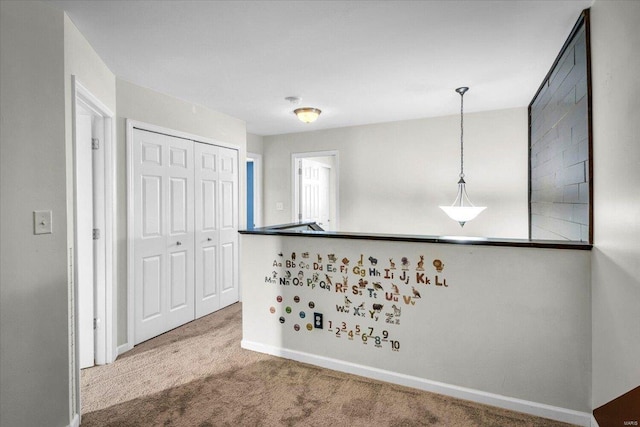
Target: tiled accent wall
559, 149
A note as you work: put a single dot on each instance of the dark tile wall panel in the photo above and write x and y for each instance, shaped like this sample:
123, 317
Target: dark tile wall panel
559, 149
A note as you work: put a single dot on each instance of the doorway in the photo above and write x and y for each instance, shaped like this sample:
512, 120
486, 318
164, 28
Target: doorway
315, 190
93, 148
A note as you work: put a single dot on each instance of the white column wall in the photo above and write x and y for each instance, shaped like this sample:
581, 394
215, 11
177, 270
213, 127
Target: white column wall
616, 166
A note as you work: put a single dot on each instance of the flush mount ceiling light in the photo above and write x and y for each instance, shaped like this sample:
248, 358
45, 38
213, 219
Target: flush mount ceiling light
305, 114
462, 210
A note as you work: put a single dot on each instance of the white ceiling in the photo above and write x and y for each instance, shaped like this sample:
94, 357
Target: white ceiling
358, 61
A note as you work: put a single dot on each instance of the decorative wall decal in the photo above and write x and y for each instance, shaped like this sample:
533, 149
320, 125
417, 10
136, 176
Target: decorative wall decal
361, 313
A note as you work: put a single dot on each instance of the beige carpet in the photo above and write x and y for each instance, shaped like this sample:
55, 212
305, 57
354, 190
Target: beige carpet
197, 375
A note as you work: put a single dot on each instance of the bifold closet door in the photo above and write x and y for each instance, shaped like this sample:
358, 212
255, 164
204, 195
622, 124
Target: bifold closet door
163, 233
216, 236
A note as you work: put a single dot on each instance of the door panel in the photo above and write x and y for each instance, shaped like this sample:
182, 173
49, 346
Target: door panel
152, 206
151, 286
163, 233
178, 282
229, 227
207, 233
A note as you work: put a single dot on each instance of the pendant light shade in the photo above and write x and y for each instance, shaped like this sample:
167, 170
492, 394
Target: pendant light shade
462, 210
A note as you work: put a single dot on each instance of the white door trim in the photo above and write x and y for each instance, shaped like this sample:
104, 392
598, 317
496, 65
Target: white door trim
257, 188
106, 341
295, 191
130, 125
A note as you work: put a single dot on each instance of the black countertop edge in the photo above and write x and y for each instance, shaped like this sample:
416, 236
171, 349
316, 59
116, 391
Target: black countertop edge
454, 240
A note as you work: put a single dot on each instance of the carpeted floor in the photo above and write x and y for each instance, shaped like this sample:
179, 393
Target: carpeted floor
198, 376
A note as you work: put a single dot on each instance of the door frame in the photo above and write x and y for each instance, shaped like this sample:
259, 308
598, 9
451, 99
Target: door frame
257, 187
105, 340
295, 190
130, 126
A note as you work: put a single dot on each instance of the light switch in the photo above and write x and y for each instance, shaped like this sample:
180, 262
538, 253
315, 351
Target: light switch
279, 206
42, 222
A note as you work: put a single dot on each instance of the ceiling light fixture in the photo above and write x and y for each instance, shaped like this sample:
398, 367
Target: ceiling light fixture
305, 114
462, 210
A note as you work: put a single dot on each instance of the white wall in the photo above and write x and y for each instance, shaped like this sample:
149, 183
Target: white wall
255, 144
81, 61
615, 42
393, 176
141, 104
512, 321
34, 350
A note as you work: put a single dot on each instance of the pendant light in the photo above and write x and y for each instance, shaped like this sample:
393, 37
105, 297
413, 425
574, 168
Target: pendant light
462, 210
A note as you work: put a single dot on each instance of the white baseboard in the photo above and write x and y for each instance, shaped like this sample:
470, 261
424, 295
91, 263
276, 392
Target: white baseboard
75, 422
594, 423
533, 408
123, 349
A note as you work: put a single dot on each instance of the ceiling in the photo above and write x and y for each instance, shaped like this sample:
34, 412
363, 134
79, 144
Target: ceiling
360, 62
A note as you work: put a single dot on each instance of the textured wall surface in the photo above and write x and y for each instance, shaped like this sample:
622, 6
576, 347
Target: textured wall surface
560, 150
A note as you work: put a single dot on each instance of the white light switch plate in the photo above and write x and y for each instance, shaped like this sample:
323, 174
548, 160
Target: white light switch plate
279, 206
42, 222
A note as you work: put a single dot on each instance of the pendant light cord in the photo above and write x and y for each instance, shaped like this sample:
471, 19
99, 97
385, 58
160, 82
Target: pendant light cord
461, 135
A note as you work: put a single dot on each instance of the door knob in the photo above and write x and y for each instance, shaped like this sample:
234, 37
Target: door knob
178, 243
209, 239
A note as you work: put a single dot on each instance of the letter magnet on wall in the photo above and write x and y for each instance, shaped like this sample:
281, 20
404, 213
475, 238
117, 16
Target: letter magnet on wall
317, 320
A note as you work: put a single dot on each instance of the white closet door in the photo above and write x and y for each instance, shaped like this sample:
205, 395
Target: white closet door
228, 211
207, 290
163, 233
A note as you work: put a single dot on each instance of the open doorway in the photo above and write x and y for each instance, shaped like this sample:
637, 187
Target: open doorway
93, 133
315, 189
254, 190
